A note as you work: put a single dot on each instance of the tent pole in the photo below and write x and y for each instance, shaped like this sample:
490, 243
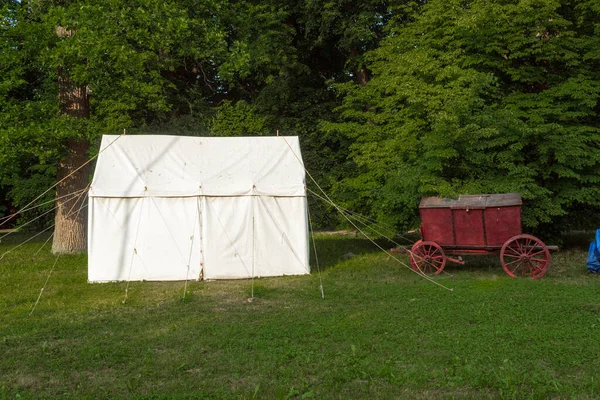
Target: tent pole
312, 235
201, 238
135, 252
187, 272
253, 250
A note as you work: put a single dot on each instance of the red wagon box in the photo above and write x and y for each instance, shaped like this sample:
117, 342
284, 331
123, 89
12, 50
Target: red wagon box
486, 220
477, 224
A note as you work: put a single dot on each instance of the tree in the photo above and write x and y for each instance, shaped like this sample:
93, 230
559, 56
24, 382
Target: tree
119, 64
472, 97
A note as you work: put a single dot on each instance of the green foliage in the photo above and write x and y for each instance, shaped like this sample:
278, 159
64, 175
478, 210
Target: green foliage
461, 97
240, 119
484, 97
147, 65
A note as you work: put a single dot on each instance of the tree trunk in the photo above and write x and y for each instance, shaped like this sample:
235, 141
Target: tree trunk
70, 230
362, 74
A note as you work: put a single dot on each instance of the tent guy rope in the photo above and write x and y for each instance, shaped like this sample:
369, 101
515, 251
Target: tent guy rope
62, 180
41, 204
71, 195
43, 287
395, 258
43, 245
369, 226
360, 230
361, 219
312, 235
83, 205
39, 233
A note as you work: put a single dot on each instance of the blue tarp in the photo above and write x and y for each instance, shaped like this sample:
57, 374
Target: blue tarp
593, 260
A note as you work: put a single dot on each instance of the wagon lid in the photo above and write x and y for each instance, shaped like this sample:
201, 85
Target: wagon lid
473, 201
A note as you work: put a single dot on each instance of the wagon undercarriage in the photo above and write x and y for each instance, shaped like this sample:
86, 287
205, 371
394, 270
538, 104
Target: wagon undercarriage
477, 225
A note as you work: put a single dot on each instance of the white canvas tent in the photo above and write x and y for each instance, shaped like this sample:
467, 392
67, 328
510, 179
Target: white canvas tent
177, 208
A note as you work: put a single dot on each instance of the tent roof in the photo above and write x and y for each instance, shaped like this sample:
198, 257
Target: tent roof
177, 166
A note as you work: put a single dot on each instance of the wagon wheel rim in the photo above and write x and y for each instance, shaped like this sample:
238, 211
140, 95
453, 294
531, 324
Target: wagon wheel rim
427, 258
525, 255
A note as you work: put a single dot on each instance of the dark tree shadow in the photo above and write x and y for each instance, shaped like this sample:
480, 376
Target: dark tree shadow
333, 249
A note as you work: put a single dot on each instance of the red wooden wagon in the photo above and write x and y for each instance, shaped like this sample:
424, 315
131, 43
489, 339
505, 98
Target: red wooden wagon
477, 225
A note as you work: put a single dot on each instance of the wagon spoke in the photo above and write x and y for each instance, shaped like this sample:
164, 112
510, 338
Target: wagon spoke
526, 246
537, 267
513, 250
520, 245
512, 255
532, 249
538, 273
530, 268
512, 262
517, 267
525, 269
428, 267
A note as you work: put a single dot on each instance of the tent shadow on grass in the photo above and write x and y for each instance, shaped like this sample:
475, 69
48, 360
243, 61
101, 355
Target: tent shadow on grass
333, 249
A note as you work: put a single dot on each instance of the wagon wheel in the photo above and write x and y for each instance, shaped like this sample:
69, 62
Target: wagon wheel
427, 257
525, 255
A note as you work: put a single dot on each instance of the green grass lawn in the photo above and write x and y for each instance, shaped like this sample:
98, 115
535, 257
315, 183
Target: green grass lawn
381, 332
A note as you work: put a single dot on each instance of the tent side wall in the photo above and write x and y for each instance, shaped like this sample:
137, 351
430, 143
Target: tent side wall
268, 239
143, 238
153, 239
